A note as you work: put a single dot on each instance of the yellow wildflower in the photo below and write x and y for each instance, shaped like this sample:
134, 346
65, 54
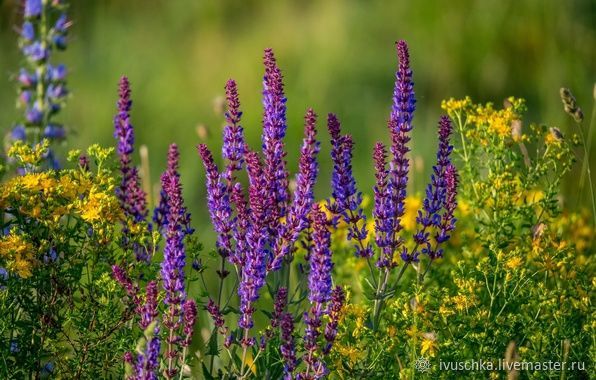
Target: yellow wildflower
429, 344
351, 353
453, 106
412, 205
514, 262
27, 155
18, 253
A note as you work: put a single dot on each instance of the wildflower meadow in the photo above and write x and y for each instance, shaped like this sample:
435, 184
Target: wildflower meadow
278, 263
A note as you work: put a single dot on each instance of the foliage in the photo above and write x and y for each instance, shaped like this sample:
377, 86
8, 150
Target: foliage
60, 308
96, 281
517, 283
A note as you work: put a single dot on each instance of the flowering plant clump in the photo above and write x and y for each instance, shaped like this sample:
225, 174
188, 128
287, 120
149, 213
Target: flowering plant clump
42, 87
489, 263
60, 310
518, 289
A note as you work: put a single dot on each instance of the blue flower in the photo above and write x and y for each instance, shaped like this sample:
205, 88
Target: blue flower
18, 133
34, 115
36, 52
33, 8
28, 31
56, 73
26, 79
56, 91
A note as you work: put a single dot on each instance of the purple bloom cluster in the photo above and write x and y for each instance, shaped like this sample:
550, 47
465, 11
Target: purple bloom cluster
334, 310
234, 146
149, 310
172, 269
218, 199
279, 306
287, 347
189, 311
172, 266
346, 199
323, 300
319, 278
448, 220
130, 194
258, 230
274, 131
436, 196
400, 125
147, 362
42, 87
391, 183
383, 210
216, 315
297, 218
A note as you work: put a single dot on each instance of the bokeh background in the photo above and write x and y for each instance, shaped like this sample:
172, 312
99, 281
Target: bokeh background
337, 56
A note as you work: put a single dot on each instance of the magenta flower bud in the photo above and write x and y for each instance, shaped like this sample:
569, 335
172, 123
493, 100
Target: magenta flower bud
216, 315
189, 310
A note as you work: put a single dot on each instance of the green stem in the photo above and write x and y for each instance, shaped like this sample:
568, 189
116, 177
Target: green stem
219, 293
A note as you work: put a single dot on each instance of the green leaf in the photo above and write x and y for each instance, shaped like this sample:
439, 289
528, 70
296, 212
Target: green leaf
212, 346
206, 373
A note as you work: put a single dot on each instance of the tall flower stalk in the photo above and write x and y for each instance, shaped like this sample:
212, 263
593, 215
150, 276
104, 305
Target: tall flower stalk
390, 192
258, 228
42, 87
168, 329
133, 199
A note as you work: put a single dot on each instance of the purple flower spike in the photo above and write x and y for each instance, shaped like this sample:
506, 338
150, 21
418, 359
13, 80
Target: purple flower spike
152, 362
130, 194
400, 125
435, 198
383, 211
297, 219
281, 300
447, 220
216, 315
147, 363
254, 271
172, 269
218, 202
241, 225
319, 278
149, 309
189, 310
133, 199
274, 131
234, 146
126, 283
346, 199
337, 301
287, 348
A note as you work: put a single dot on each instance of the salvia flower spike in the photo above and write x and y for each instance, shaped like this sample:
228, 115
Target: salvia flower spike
133, 199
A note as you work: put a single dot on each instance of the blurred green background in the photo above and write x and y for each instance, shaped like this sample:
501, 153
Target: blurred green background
337, 56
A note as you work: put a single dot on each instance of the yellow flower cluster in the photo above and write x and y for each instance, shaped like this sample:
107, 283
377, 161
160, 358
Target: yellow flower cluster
52, 199
486, 118
28, 155
17, 253
461, 302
